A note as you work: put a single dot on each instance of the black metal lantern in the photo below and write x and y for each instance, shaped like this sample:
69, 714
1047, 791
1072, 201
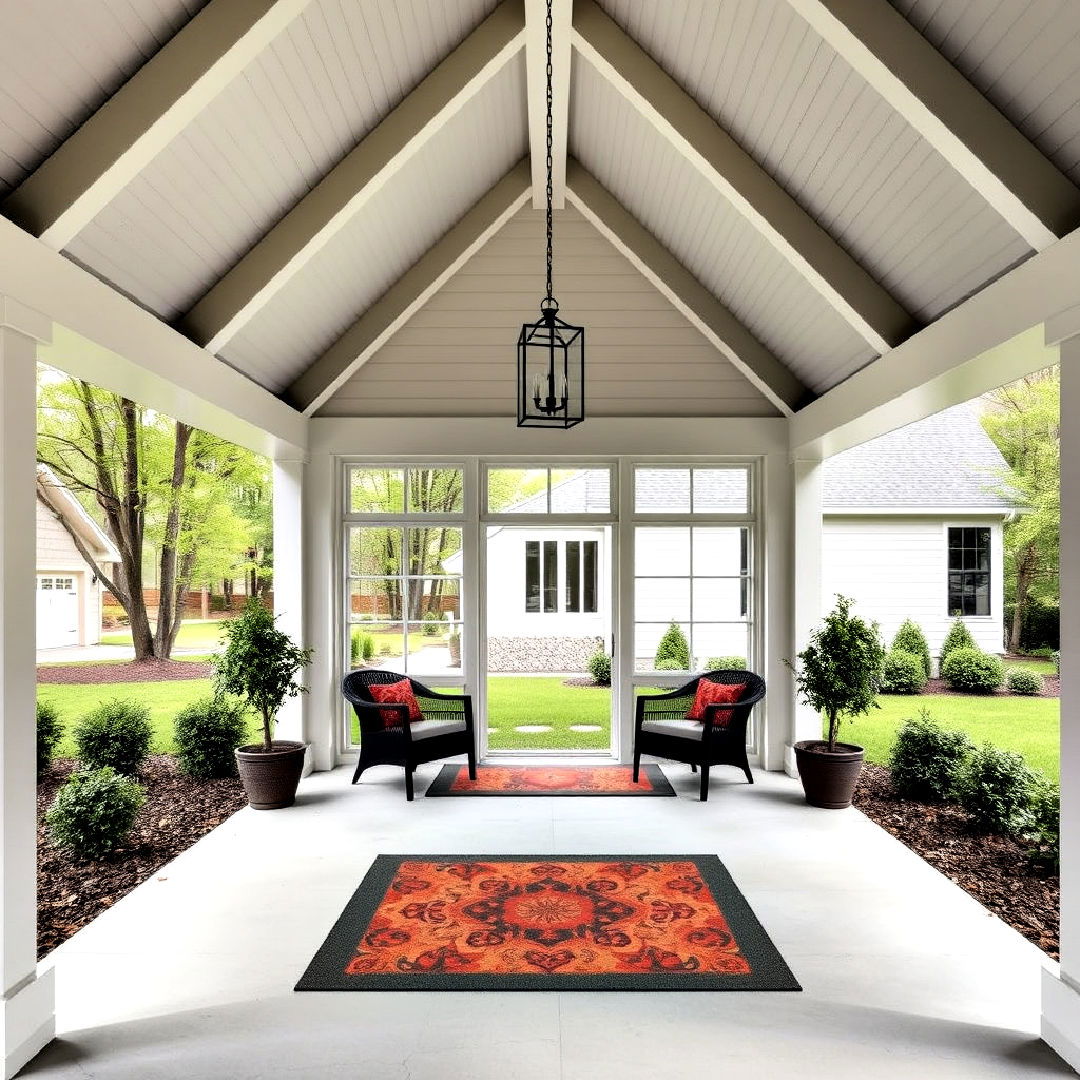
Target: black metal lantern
551, 352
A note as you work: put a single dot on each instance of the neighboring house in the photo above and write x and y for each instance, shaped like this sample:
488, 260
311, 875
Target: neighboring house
913, 528
68, 589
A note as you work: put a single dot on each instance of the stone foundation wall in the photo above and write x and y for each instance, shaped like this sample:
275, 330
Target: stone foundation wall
541, 653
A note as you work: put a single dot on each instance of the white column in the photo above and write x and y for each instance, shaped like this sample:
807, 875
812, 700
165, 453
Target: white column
289, 583
1061, 990
27, 1020
806, 588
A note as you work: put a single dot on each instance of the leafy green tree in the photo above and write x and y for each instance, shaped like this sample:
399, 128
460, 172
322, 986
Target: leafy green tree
1023, 420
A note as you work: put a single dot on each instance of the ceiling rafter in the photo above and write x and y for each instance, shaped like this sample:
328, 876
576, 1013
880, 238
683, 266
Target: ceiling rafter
118, 141
850, 289
536, 84
411, 291
347, 189
1037, 200
697, 304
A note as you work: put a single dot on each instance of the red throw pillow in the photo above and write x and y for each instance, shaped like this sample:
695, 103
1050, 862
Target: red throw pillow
397, 693
714, 693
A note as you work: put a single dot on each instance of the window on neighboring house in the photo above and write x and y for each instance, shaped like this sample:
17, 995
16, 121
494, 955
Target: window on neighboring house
580, 574
969, 570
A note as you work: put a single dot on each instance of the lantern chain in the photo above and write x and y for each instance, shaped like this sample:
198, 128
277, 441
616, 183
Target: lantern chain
550, 164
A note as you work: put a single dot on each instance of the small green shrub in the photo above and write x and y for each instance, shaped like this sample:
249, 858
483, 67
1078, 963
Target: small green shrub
49, 730
432, 624
725, 663
1044, 828
673, 646
206, 733
973, 671
910, 639
669, 665
93, 811
958, 637
1023, 681
599, 666
1044, 652
927, 760
904, 673
996, 790
354, 645
117, 733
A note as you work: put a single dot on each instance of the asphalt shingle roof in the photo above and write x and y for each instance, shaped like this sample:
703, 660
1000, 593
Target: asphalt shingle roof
944, 461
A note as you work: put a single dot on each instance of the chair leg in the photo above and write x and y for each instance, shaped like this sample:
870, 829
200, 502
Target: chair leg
361, 765
693, 767
637, 764
749, 777
704, 783
408, 783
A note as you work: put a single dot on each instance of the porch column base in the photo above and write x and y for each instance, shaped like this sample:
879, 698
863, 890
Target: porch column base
789, 761
1061, 1018
28, 1021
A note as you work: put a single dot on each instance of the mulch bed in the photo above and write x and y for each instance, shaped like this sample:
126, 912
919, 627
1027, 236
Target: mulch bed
125, 671
994, 870
1051, 687
178, 811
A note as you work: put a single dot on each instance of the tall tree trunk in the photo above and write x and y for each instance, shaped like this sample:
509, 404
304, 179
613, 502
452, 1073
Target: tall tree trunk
169, 612
1025, 576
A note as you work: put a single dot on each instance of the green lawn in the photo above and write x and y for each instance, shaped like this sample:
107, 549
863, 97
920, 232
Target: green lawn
1032, 663
193, 634
1028, 725
515, 701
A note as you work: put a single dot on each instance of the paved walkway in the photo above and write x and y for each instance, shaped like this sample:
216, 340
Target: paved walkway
904, 975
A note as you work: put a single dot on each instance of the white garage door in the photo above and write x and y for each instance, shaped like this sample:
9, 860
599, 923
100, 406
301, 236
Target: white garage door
57, 611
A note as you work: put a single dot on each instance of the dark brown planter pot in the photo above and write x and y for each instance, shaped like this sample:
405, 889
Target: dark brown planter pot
828, 780
270, 779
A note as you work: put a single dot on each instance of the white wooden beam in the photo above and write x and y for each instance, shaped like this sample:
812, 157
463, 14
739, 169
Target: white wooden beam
348, 188
1011, 174
870, 310
998, 335
536, 84
707, 314
411, 291
115, 144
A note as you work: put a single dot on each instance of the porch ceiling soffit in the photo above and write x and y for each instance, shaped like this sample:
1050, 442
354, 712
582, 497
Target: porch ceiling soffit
1036, 199
994, 337
875, 315
154, 106
344, 192
704, 311
536, 84
411, 291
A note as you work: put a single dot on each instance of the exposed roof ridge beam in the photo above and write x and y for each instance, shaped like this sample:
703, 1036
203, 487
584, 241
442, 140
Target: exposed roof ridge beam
536, 85
708, 315
411, 291
1008, 171
348, 187
118, 141
863, 303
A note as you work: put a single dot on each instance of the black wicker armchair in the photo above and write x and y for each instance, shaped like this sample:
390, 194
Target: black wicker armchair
661, 727
445, 730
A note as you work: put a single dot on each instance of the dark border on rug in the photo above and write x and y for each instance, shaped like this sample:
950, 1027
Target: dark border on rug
440, 786
326, 970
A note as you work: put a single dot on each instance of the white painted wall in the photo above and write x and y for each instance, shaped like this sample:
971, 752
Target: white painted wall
896, 568
57, 554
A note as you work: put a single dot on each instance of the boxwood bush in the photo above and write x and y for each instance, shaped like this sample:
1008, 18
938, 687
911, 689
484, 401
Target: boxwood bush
973, 671
996, 789
117, 733
904, 673
1044, 829
725, 663
49, 730
910, 639
1023, 681
958, 637
927, 760
93, 811
673, 646
600, 668
206, 733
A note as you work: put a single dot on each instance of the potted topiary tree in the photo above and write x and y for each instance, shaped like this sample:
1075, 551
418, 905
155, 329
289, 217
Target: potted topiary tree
260, 665
838, 675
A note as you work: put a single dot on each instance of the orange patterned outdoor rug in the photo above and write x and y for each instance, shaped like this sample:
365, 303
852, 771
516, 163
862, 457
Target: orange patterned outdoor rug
554, 780
554, 922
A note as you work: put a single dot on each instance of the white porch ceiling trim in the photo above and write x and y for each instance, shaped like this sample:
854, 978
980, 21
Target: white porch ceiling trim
114, 145
347, 189
867, 307
536, 88
1011, 174
107, 339
411, 291
993, 338
707, 314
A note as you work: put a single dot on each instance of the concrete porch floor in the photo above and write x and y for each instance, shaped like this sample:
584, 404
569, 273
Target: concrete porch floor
903, 974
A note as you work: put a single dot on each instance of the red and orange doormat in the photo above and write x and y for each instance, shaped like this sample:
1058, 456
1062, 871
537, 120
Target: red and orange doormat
545, 922
554, 780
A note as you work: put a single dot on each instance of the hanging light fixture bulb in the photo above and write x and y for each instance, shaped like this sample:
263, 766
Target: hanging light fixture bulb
551, 352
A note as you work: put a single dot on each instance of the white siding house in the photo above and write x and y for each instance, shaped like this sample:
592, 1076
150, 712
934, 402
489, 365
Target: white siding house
913, 528
68, 592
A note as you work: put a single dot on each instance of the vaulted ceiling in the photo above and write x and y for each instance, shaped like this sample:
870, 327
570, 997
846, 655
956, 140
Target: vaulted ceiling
289, 182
